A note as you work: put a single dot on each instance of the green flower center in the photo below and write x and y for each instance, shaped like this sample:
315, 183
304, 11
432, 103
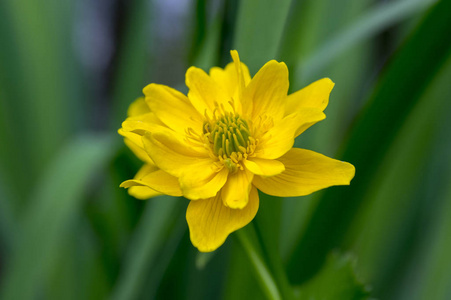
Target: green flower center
227, 135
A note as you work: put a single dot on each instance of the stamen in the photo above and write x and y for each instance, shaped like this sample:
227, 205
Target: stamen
229, 138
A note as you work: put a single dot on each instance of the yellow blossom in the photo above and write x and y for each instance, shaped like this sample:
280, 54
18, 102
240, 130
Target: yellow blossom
231, 135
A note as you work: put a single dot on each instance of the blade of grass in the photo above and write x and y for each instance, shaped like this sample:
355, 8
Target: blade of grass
307, 29
421, 270
258, 31
241, 283
55, 203
156, 274
435, 282
390, 210
396, 94
44, 51
200, 28
147, 240
7, 215
264, 276
8, 163
14, 159
368, 25
133, 60
267, 227
78, 270
209, 53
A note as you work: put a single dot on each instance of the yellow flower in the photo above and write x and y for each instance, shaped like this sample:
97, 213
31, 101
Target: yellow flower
229, 137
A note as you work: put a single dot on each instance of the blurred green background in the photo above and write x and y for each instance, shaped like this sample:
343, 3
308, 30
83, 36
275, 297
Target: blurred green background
69, 70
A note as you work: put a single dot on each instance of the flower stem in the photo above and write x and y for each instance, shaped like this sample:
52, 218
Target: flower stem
272, 257
264, 276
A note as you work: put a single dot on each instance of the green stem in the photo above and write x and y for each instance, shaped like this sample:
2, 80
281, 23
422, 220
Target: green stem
272, 257
262, 272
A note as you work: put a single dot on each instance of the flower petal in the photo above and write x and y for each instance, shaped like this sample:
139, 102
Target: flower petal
202, 182
314, 95
233, 78
204, 93
267, 91
264, 167
142, 123
143, 171
280, 138
241, 71
308, 117
138, 107
235, 193
143, 192
134, 143
229, 77
173, 156
157, 180
305, 172
210, 222
172, 108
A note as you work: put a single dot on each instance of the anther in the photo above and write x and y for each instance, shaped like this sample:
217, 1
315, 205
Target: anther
228, 137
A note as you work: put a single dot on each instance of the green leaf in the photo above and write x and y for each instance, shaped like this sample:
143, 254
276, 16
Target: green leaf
398, 91
44, 56
267, 227
259, 29
390, 212
336, 280
54, 206
208, 54
7, 215
266, 279
368, 25
306, 31
437, 262
202, 259
405, 205
133, 60
148, 239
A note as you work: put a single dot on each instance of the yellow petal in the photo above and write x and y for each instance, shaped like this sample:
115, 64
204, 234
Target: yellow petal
138, 107
241, 71
307, 117
268, 90
159, 181
280, 138
134, 127
210, 222
231, 78
305, 172
134, 143
228, 78
235, 193
143, 171
143, 192
204, 93
203, 181
264, 167
142, 123
314, 95
174, 157
172, 108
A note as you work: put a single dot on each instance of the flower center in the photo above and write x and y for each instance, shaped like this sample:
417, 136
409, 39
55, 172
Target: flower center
230, 139
227, 135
